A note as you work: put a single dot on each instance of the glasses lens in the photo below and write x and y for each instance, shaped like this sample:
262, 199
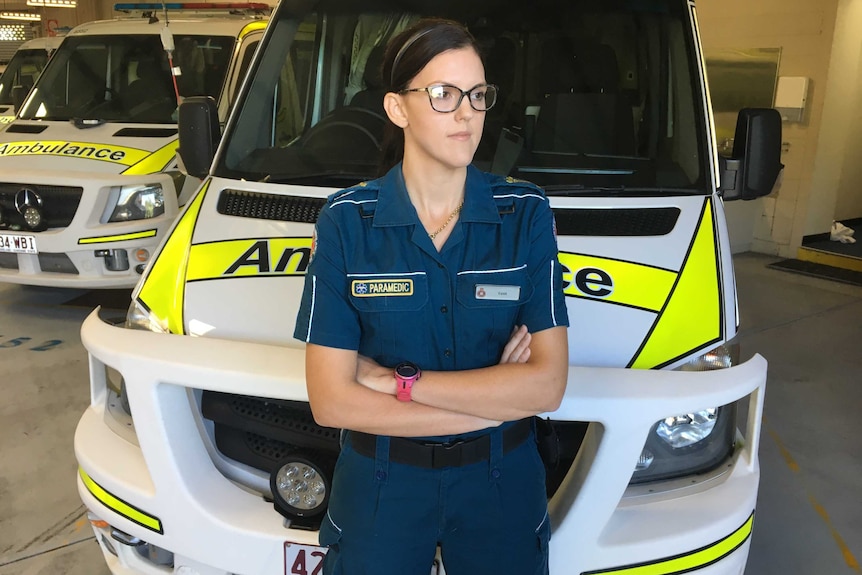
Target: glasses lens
444, 98
482, 98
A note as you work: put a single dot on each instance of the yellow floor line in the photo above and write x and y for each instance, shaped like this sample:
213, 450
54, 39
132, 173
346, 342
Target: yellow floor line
818, 508
845, 551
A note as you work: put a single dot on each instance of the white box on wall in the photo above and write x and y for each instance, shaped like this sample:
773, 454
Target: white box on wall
790, 97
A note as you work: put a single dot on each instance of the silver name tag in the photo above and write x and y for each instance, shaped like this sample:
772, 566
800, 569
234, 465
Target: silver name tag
501, 293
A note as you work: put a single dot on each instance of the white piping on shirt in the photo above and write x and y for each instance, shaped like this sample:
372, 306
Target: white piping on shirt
311, 313
357, 202
553, 314
492, 271
386, 275
537, 196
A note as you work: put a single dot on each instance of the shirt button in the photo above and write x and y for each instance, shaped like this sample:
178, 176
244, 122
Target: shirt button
495, 473
381, 475
448, 353
444, 309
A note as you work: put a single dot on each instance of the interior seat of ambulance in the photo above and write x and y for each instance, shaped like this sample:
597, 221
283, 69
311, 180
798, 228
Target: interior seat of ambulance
581, 100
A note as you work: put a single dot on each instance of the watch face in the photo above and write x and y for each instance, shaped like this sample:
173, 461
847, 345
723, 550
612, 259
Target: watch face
406, 370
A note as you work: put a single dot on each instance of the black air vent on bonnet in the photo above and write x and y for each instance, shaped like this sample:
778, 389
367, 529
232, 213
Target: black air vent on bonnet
615, 221
262, 206
25, 129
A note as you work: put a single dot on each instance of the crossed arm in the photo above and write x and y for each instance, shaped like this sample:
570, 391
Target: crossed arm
350, 391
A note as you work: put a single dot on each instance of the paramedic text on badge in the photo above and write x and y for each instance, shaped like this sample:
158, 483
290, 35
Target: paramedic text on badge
376, 288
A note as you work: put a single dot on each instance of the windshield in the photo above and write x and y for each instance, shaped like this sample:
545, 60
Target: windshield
594, 94
23, 69
126, 78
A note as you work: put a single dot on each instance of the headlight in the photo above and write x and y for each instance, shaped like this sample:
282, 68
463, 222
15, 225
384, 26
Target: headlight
300, 488
689, 443
687, 429
138, 317
138, 203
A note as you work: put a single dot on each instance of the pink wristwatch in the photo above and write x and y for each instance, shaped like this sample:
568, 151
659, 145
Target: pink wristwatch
406, 374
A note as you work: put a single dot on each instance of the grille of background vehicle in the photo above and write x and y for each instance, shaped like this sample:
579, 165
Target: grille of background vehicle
59, 204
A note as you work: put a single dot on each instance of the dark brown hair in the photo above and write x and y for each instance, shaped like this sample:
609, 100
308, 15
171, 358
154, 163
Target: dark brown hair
406, 55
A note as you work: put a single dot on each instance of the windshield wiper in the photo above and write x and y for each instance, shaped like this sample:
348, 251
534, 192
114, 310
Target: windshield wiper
326, 175
581, 190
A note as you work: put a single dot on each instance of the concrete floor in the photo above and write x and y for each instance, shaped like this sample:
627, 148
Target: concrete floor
809, 517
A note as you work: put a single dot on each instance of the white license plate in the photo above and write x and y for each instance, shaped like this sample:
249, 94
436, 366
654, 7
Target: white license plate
308, 560
18, 244
303, 559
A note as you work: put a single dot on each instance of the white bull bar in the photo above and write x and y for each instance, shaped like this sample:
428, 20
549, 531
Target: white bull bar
211, 522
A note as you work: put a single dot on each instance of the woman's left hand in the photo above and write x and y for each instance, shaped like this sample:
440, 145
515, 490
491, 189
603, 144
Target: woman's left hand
517, 349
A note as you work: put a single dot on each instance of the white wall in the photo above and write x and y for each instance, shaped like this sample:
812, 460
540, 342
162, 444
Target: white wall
846, 80
803, 29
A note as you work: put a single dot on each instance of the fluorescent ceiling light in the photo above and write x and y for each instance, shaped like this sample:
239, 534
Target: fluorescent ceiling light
12, 32
20, 16
53, 3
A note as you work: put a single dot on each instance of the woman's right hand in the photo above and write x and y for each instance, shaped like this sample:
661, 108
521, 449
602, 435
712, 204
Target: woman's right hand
517, 349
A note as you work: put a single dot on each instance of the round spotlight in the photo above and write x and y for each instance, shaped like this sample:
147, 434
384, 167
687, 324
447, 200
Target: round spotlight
299, 487
33, 217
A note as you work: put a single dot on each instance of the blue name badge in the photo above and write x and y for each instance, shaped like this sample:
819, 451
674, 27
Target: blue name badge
498, 292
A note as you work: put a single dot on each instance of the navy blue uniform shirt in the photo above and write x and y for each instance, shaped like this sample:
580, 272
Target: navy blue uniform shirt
377, 284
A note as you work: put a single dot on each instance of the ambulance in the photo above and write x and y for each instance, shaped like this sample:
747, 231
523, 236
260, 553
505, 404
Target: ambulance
198, 453
90, 180
23, 70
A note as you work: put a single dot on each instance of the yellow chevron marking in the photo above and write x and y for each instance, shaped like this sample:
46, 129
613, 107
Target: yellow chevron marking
163, 290
692, 316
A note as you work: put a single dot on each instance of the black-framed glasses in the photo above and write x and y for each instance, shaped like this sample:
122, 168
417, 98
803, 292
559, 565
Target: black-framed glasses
446, 98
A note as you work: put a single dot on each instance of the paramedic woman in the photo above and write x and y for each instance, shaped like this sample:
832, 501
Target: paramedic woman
416, 283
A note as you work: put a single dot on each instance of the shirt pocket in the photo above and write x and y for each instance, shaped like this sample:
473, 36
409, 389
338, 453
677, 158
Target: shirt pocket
492, 300
392, 310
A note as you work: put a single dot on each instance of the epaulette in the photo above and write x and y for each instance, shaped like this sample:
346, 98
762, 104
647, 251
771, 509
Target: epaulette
497, 182
361, 192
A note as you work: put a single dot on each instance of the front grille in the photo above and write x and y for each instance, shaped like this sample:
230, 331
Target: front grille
260, 432
269, 206
57, 263
58, 207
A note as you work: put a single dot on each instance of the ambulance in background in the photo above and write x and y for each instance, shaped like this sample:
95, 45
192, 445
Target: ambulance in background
199, 454
22, 71
90, 181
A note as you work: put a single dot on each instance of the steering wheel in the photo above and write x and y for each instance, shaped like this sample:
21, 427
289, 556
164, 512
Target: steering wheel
332, 126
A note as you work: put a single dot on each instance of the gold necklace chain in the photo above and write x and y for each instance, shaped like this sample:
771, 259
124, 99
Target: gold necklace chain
446, 223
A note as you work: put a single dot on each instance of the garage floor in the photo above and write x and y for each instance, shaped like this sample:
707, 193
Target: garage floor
809, 517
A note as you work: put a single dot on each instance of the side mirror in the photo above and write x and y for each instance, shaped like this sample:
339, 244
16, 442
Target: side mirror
199, 134
19, 94
756, 163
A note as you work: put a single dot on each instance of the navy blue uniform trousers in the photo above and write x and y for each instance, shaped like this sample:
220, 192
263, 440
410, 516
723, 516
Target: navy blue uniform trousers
387, 518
